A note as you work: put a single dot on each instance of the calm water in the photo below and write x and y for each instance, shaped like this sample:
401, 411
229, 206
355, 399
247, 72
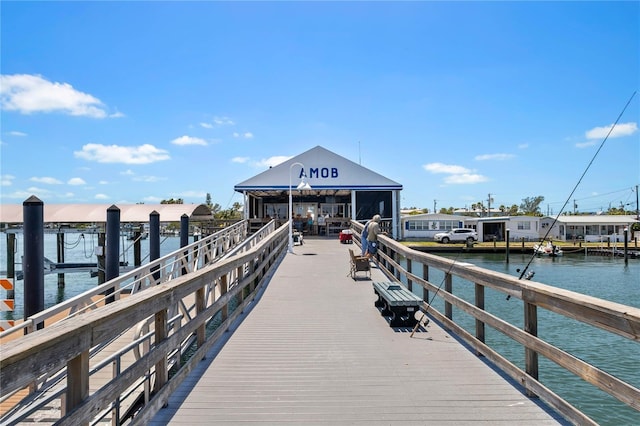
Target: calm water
78, 248
602, 277
605, 278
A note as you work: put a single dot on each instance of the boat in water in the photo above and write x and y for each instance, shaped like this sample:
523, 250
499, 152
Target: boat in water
547, 249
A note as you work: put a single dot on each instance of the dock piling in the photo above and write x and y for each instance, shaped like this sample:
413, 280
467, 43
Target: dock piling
33, 214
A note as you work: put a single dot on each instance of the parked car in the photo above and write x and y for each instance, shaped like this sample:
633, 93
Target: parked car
457, 235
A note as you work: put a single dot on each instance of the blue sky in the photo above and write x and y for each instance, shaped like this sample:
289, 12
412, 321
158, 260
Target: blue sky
125, 102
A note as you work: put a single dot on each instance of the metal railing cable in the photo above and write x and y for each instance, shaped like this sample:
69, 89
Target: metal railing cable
555, 220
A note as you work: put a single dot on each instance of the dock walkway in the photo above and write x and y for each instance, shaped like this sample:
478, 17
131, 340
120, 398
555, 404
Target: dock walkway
315, 351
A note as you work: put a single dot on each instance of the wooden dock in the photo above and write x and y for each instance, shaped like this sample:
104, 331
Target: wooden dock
315, 351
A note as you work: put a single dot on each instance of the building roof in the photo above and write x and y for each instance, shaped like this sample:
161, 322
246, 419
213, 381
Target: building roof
595, 219
432, 216
97, 213
326, 172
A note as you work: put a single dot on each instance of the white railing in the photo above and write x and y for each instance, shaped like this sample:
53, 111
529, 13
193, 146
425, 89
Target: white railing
184, 260
221, 290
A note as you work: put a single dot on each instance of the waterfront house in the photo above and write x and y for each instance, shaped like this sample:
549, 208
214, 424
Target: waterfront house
495, 228
425, 226
588, 228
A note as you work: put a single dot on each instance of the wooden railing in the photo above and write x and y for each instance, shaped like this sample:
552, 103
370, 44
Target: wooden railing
166, 268
413, 268
58, 357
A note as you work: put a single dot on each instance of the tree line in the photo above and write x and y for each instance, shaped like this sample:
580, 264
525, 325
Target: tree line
530, 206
233, 212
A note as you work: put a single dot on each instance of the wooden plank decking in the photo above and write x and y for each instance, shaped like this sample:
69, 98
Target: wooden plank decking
314, 350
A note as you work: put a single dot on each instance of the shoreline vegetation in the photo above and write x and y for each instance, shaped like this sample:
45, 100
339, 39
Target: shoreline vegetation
516, 246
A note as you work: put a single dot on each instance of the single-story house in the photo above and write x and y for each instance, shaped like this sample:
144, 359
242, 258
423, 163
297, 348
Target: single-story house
588, 228
425, 226
490, 228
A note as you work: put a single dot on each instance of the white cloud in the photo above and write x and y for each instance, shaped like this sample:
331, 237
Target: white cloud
223, 121
23, 195
240, 160
445, 168
128, 172
188, 140
193, 194
31, 93
143, 154
271, 161
16, 133
206, 125
498, 157
76, 181
148, 179
457, 174
622, 129
6, 180
46, 179
585, 144
38, 191
152, 199
101, 197
103, 182
465, 178
245, 135
523, 146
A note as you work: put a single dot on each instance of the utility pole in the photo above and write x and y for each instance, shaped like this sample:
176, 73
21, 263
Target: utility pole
435, 202
575, 206
489, 200
637, 211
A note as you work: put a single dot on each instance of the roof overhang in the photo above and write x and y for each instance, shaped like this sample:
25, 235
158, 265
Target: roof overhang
97, 213
326, 172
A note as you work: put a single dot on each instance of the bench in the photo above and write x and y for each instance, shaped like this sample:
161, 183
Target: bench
396, 301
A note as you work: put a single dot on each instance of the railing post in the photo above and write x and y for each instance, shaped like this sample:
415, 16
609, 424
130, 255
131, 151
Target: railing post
201, 303
409, 282
396, 258
239, 275
184, 240
33, 259
112, 269
224, 287
480, 326
11, 263
154, 243
531, 327
448, 287
254, 281
425, 276
60, 254
101, 257
77, 382
160, 332
137, 246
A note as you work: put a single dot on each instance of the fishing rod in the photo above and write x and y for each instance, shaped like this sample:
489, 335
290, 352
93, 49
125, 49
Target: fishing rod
424, 313
524, 271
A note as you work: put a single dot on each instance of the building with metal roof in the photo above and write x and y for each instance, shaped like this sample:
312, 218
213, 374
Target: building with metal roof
340, 188
589, 228
11, 214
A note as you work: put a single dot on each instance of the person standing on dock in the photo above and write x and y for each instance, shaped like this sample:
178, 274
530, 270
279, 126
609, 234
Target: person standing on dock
363, 237
373, 230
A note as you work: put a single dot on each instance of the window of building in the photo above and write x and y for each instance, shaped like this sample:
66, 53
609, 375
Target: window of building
592, 230
524, 226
